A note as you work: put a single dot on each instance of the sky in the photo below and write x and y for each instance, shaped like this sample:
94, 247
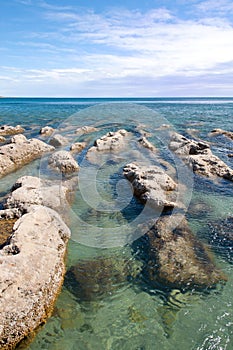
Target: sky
109, 48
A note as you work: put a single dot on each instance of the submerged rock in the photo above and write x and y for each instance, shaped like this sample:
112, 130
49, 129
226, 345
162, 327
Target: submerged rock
177, 259
85, 130
223, 230
152, 185
20, 151
64, 162
31, 274
58, 141
216, 132
91, 279
6, 130
46, 131
199, 156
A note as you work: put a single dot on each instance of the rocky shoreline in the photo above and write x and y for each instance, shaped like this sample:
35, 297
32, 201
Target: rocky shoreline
35, 216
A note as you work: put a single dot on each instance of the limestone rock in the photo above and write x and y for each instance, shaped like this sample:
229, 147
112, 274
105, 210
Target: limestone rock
216, 132
20, 151
111, 142
77, 147
64, 162
11, 130
46, 131
31, 274
2, 139
177, 259
29, 191
147, 144
85, 130
152, 185
58, 141
199, 157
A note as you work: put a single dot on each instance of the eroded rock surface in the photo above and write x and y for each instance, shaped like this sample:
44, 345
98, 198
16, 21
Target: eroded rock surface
199, 156
63, 162
6, 130
111, 142
85, 130
152, 185
147, 144
29, 191
177, 259
31, 274
77, 147
20, 151
216, 132
58, 141
46, 131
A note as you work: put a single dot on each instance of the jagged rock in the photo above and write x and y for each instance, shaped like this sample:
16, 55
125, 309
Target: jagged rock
64, 162
152, 185
147, 144
198, 155
85, 130
111, 142
58, 141
11, 130
77, 147
2, 139
177, 259
46, 131
216, 132
31, 274
20, 151
96, 278
29, 191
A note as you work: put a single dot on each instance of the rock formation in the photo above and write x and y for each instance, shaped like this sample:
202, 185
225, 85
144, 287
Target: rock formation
31, 274
63, 162
177, 259
216, 132
6, 130
58, 141
85, 130
20, 151
198, 155
77, 147
46, 131
152, 185
111, 142
147, 144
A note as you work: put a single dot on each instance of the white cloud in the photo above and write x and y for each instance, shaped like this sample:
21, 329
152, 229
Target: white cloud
127, 46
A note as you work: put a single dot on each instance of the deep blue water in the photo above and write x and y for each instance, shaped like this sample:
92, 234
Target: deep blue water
136, 316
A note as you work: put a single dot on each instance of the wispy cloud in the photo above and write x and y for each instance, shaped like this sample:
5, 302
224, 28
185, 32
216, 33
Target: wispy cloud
84, 48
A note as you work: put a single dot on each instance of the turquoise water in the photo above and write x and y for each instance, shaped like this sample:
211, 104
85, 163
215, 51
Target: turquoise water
119, 308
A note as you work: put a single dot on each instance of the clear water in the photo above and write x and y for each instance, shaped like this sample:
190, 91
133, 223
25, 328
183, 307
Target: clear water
130, 314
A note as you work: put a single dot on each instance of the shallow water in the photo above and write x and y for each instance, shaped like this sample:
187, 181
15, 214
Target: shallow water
120, 309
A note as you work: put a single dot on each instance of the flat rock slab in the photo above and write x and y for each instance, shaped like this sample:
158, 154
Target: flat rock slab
151, 185
6, 130
31, 274
85, 130
177, 259
29, 191
20, 151
199, 157
63, 162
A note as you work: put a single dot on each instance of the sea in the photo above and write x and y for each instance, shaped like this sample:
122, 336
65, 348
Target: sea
107, 301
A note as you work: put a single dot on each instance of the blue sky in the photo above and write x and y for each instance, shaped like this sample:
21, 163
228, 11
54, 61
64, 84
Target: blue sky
98, 48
